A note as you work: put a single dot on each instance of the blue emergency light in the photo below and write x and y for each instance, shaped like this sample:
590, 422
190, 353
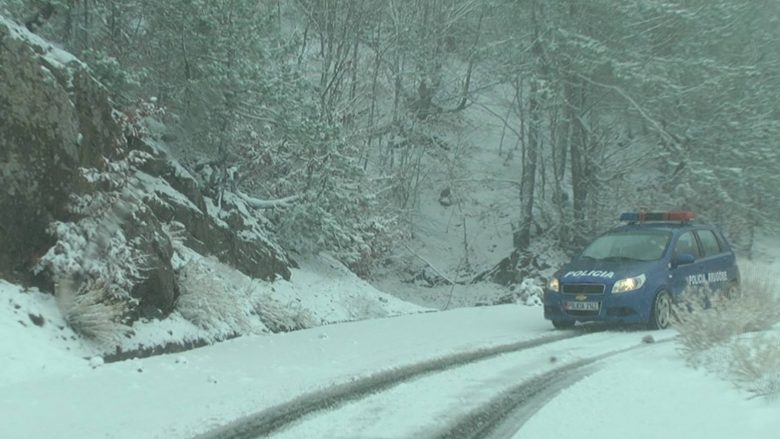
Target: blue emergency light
682, 215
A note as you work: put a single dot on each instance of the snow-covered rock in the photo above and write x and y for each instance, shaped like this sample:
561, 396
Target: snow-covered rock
90, 210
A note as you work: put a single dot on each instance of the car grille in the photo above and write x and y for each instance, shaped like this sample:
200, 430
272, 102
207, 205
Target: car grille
583, 288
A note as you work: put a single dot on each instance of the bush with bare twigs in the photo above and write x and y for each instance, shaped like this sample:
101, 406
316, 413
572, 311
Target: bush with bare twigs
218, 299
754, 364
213, 303
90, 309
711, 324
280, 318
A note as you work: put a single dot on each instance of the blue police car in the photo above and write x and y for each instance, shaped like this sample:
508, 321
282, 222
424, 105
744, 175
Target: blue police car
634, 273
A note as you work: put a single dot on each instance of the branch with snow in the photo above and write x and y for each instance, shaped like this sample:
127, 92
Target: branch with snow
428, 263
642, 112
268, 204
489, 180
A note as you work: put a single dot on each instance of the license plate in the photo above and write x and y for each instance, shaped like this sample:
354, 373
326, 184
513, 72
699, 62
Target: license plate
581, 306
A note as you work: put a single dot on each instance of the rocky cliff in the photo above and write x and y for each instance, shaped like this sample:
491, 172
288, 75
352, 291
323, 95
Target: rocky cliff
92, 206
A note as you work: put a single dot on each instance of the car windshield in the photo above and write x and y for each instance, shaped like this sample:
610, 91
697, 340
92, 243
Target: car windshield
635, 245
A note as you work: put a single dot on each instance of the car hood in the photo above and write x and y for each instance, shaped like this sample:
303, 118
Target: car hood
606, 272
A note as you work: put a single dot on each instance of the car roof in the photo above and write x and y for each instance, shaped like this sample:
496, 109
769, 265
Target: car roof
663, 225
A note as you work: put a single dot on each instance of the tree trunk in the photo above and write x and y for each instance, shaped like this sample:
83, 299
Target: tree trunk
580, 174
522, 236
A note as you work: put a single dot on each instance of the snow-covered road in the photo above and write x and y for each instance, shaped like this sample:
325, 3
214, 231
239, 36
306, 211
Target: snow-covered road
637, 394
466, 400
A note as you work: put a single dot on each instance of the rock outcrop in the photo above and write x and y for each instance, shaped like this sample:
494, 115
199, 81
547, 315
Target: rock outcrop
79, 201
53, 120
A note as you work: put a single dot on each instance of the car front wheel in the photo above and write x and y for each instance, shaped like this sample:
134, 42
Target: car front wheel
661, 314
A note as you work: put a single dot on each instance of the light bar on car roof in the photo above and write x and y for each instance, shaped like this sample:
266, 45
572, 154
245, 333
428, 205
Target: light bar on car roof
682, 215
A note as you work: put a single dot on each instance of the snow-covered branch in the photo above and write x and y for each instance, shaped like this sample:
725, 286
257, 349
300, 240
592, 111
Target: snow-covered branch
268, 204
428, 263
489, 180
658, 126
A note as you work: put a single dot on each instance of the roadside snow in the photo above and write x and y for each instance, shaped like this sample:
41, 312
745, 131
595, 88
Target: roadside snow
53, 392
36, 341
179, 395
652, 394
51, 384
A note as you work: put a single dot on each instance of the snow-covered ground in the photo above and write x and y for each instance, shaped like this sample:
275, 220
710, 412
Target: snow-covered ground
652, 394
49, 387
55, 384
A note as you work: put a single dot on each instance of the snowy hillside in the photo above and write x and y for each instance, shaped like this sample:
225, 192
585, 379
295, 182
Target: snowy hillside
322, 292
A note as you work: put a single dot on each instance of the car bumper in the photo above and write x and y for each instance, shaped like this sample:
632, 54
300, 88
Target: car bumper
633, 307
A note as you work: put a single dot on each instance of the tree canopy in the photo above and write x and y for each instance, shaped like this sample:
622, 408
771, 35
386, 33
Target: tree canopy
349, 106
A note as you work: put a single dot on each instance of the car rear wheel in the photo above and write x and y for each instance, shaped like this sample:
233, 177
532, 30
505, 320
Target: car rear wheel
732, 292
661, 314
563, 324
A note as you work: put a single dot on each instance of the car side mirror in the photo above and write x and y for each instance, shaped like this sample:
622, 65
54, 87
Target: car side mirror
683, 259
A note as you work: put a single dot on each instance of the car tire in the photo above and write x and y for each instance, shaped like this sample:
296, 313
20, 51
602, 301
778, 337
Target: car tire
661, 313
732, 291
563, 324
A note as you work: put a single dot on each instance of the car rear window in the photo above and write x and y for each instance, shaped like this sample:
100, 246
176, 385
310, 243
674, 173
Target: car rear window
686, 244
709, 242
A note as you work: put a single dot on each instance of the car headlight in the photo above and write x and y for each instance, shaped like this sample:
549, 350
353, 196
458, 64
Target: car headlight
629, 284
554, 284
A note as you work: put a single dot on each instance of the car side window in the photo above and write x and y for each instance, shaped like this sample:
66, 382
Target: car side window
687, 244
722, 241
709, 242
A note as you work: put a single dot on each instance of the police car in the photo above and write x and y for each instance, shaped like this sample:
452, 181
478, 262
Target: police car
634, 273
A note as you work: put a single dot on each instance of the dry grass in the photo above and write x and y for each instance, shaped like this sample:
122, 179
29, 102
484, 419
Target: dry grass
211, 302
91, 310
280, 318
754, 364
709, 322
706, 320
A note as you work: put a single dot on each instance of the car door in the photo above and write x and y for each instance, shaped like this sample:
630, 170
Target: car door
716, 262
686, 275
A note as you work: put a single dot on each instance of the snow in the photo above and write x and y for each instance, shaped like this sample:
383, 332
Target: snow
54, 386
159, 187
431, 404
31, 351
55, 383
652, 394
53, 54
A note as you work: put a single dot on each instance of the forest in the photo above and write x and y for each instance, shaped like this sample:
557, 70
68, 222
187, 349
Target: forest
335, 115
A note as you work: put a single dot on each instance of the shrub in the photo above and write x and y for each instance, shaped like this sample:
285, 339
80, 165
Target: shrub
280, 318
225, 303
91, 310
754, 364
212, 302
730, 334
705, 320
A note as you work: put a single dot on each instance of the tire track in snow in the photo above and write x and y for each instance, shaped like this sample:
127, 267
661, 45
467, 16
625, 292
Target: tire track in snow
503, 416
272, 419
